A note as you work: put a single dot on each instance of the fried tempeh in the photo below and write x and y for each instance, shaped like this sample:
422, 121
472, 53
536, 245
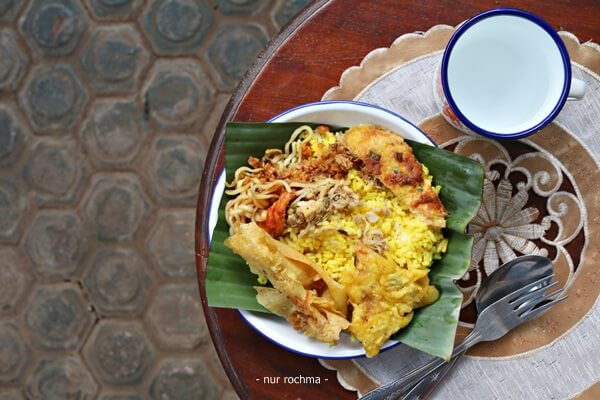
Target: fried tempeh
292, 275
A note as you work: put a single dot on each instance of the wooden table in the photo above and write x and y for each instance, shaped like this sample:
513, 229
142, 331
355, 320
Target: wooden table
298, 66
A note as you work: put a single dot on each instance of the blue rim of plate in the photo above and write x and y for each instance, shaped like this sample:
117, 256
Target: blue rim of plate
241, 312
542, 24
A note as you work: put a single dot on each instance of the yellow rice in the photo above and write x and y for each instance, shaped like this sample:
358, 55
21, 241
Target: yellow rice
410, 242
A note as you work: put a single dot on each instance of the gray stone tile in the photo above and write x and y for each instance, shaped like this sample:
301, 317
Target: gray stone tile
240, 6
54, 27
13, 63
58, 317
180, 379
176, 316
13, 136
117, 282
213, 363
114, 59
113, 10
230, 395
114, 132
55, 170
119, 353
174, 168
178, 94
15, 279
9, 9
60, 378
115, 206
233, 49
56, 244
176, 26
53, 98
285, 10
120, 396
15, 354
171, 241
108, 108
12, 210
11, 394
208, 130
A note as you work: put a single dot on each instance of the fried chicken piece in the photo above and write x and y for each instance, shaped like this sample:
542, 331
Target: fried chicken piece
387, 157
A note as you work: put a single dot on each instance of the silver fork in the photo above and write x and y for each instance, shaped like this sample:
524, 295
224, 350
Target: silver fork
426, 386
492, 323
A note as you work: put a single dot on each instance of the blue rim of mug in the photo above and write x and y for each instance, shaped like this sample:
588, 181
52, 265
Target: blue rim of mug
542, 24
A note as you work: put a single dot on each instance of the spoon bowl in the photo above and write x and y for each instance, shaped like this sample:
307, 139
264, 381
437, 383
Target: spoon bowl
511, 276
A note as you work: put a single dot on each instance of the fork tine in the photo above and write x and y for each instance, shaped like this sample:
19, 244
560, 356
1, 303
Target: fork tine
515, 295
535, 293
537, 311
553, 294
528, 305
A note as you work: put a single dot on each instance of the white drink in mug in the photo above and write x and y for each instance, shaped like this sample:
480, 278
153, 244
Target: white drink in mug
505, 74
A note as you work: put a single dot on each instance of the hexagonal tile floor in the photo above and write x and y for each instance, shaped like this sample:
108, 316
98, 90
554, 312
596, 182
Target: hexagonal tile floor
107, 108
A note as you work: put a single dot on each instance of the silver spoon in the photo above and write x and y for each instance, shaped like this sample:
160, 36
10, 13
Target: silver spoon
514, 275
511, 276
506, 279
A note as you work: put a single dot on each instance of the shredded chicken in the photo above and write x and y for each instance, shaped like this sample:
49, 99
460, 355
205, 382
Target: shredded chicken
342, 196
315, 205
375, 239
371, 217
311, 211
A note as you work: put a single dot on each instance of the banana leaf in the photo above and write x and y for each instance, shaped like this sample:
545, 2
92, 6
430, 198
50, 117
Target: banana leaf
229, 283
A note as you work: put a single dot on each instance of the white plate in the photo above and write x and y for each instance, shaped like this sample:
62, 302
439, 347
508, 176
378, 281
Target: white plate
340, 113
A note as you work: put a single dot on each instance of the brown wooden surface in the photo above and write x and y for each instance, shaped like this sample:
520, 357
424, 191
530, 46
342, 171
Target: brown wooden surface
298, 66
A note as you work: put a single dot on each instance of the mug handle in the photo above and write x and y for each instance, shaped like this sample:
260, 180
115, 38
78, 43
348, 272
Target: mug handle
577, 90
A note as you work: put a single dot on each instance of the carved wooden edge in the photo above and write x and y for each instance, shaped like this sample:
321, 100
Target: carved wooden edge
409, 46
213, 168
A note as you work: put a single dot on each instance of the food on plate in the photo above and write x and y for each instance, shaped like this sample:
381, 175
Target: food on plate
295, 281
389, 159
341, 229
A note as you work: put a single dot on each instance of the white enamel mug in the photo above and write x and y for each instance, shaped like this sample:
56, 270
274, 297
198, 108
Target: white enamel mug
505, 74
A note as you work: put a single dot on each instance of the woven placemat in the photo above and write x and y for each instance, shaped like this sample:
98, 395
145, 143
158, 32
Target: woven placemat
552, 184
